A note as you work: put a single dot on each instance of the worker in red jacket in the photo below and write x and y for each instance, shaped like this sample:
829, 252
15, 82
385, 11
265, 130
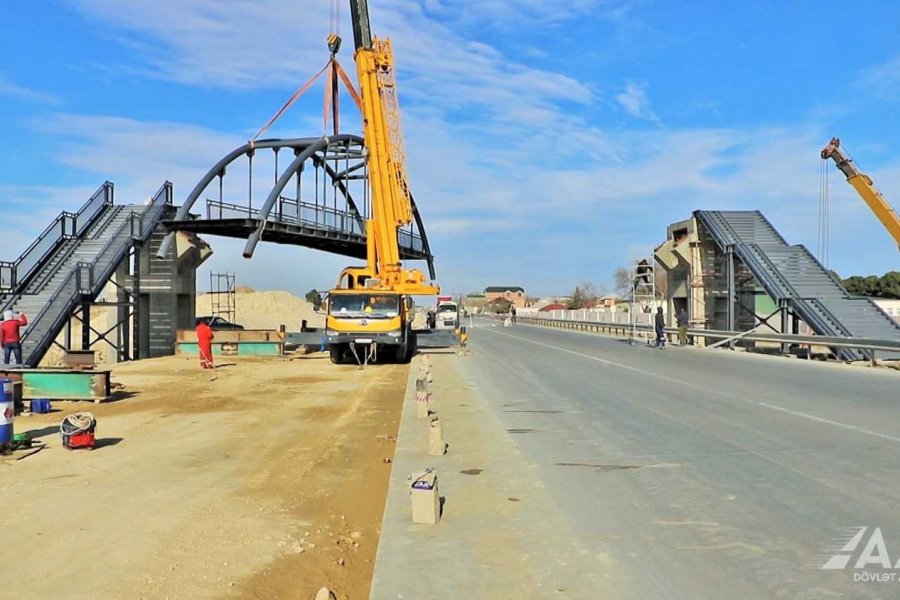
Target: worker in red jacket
204, 344
10, 339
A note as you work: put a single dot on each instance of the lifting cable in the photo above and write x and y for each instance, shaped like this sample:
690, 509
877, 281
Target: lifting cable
335, 70
824, 208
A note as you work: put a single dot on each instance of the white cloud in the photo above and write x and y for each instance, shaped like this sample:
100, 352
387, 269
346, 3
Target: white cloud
254, 45
517, 214
535, 11
13, 90
635, 102
883, 79
510, 177
28, 210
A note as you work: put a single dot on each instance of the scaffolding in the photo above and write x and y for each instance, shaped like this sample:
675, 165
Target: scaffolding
643, 292
222, 296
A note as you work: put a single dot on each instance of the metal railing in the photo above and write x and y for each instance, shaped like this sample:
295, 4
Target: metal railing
305, 214
86, 215
86, 280
15, 275
868, 345
291, 212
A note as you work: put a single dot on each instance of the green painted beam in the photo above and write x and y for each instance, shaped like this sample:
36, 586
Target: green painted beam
62, 385
243, 348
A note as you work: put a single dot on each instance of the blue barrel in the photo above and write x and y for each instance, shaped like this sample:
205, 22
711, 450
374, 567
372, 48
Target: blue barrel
7, 411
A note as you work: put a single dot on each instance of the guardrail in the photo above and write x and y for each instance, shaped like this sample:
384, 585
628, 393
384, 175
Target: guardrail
623, 329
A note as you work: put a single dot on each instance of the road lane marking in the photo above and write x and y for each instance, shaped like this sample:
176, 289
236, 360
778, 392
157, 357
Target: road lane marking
773, 407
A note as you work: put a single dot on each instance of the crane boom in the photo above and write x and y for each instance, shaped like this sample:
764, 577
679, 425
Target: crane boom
371, 310
391, 203
863, 185
362, 32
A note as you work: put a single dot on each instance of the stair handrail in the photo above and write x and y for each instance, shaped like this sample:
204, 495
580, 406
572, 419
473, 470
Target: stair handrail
74, 286
137, 227
33, 256
14, 275
91, 209
154, 212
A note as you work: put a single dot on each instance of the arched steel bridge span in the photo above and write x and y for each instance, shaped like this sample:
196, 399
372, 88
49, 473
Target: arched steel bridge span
317, 197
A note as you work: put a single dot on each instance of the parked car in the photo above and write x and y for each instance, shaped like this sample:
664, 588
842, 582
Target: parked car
219, 324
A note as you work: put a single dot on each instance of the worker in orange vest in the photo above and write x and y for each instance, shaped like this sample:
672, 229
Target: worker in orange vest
204, 344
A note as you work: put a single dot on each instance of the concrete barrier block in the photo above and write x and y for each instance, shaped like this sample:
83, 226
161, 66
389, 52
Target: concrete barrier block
423, 398
425, 498
436, 444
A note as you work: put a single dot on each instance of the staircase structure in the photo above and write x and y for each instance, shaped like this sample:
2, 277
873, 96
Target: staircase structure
793, 278
72, 261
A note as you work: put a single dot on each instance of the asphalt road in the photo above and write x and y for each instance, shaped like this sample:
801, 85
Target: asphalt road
705, 473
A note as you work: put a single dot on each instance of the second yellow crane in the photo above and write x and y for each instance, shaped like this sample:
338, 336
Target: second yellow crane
863, 185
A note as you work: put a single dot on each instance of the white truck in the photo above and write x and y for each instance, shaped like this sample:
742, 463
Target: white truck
445, 314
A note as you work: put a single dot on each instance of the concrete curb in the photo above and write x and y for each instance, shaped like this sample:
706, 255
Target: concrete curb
500, 535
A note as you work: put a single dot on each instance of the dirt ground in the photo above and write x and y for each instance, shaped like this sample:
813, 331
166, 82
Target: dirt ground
268, 482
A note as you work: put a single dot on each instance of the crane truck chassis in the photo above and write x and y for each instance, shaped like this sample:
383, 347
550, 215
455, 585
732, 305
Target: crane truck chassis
369, 314
365, 326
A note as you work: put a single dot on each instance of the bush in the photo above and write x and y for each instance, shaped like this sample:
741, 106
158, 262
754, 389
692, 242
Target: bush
314, 298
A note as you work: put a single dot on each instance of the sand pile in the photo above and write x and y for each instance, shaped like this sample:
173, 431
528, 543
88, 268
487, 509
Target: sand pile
267, 310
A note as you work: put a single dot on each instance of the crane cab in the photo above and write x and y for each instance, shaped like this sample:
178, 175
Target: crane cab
367, 325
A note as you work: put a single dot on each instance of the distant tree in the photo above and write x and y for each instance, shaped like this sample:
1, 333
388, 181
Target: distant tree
585, 295
499, 306
314, 298
887, 286
577, 300
623, 283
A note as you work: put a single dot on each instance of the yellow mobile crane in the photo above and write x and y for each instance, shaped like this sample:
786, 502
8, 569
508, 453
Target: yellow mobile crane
369, 314
863, 185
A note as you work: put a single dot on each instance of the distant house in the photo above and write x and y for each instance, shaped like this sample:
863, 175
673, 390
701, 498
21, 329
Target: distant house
610, 300
475, 302
555, 306
513, 294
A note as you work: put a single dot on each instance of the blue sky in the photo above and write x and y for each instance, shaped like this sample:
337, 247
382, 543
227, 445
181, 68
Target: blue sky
548, 142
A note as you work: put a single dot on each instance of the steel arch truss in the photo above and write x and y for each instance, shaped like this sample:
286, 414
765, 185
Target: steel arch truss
317, 196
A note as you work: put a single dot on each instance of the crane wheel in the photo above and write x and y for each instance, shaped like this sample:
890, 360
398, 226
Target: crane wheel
337, 354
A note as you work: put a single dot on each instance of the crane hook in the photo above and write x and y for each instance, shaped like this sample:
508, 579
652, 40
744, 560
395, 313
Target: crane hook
334, 43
